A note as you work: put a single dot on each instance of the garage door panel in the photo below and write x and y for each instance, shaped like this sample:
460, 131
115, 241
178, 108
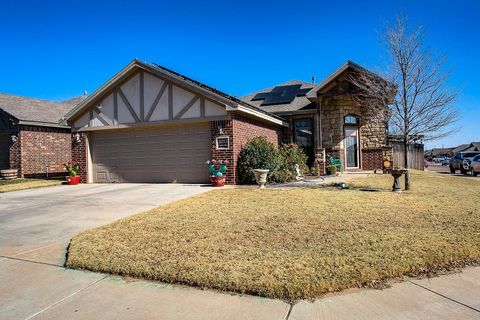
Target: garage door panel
173, 154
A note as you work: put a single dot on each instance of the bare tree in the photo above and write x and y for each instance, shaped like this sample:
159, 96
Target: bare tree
414, 88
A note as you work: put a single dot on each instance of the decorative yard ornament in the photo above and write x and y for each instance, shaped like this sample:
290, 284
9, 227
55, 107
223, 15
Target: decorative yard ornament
217, 169
299, 175
397, 173
261, 177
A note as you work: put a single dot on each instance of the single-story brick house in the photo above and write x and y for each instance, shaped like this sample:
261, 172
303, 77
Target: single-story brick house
151, 124
32, 138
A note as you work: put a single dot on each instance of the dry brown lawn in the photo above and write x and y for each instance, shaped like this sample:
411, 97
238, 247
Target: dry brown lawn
293, 243
23, 184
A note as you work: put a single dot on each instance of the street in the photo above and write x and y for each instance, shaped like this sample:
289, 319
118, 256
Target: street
437, 167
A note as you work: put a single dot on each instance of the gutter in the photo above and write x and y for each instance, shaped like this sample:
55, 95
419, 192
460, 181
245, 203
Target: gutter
42, 124
258, 114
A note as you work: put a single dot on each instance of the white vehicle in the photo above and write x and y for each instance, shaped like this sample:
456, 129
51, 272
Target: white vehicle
439, 159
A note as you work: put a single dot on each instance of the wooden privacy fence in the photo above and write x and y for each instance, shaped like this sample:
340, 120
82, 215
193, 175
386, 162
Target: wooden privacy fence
415, 151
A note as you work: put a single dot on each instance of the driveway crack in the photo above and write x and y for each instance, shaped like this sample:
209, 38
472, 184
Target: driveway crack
289, 311
444, 296
32, 261
65, 298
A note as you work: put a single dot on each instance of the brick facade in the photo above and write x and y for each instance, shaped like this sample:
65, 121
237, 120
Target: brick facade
223, 128
40, 151
80, 155
372, 159
240, 130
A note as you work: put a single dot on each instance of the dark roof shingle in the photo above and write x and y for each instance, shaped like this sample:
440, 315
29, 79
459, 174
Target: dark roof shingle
35, 110
299, 103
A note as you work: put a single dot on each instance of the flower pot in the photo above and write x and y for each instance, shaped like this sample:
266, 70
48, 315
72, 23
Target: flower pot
218, 181
73, 180
261, 177
9, 174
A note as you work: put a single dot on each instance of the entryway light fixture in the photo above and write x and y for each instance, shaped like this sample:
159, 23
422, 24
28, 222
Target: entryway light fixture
77, 137
14, 137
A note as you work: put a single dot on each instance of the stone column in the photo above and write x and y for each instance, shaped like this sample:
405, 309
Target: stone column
321, 160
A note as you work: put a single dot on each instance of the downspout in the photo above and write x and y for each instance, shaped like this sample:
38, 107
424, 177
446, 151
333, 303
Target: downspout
319, 123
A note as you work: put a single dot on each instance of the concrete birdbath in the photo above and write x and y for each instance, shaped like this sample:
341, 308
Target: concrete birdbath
397, 173
261, 177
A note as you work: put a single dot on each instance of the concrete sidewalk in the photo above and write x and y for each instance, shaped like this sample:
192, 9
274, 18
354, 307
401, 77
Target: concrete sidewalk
32, 290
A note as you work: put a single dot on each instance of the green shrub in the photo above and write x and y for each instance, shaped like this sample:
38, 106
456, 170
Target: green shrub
258, 153
291, 154
331, 169
314, 171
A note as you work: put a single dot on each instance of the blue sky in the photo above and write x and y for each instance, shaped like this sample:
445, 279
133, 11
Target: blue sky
56, 50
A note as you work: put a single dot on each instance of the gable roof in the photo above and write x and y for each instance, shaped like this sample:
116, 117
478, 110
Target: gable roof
347, 65
298, 103
232, 103
462, 147
33, 111
438, 151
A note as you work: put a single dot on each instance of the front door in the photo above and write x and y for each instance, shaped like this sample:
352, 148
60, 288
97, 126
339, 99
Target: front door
351, 148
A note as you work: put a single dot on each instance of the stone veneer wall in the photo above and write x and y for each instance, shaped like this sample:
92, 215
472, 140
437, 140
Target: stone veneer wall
40, 149
372, 131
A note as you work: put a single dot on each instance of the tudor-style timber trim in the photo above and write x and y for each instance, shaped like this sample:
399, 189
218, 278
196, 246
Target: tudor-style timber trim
142, 97
155, 102
102, 117
114, 83
163, 123
202, 107
128, 105
186, 108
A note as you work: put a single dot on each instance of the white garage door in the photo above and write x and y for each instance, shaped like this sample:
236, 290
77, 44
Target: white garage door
169, 154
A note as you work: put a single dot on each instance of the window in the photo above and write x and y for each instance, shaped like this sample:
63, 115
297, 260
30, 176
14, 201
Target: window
303, 137
222, 143
303, 134
351, 120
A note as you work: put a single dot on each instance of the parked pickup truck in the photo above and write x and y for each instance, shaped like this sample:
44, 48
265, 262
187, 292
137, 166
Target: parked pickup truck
461, 161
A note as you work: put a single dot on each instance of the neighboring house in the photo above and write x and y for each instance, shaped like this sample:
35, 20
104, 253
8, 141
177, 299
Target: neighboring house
151, 124
324, 118
450, 152
472, 146
439, 152
32, 139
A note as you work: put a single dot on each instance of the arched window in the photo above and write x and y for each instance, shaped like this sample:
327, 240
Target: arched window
351, 120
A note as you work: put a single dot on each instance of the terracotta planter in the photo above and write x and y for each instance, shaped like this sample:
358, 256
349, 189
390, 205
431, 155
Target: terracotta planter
218, 181
73, 180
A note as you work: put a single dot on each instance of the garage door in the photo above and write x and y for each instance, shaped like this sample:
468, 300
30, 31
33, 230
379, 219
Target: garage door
4, 151
169, 154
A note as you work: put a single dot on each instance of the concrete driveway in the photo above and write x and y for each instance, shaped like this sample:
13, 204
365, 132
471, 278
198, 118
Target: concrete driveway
38, 224
35, 228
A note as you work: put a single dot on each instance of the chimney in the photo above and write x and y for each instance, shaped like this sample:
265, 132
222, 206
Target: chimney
313, 79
